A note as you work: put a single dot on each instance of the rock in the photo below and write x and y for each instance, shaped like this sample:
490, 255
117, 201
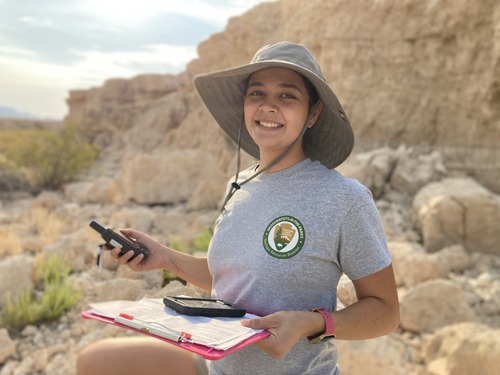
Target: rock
463, 349
75, 248
346, 292
383, 355
413, 265
7, 346
414, 170
120, 289
101, 190
373, 169
168, 178
137, 217
434, 304
458, 211
16, 276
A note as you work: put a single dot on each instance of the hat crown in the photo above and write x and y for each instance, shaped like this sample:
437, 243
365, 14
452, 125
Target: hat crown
291, 53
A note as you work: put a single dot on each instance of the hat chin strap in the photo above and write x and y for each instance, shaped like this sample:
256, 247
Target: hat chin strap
235, 185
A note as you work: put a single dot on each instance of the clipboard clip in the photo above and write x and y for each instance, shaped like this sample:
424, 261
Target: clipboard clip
149, 327
185, 337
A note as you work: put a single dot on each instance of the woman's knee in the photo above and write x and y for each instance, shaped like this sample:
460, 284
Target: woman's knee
134, 355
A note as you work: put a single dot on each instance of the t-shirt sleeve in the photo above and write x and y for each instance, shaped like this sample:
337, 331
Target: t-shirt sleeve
363, 245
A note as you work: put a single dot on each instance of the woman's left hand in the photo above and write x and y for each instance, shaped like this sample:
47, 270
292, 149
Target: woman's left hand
286, 328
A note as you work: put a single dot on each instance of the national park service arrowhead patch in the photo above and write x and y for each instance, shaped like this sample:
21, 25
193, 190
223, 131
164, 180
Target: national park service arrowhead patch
284, 237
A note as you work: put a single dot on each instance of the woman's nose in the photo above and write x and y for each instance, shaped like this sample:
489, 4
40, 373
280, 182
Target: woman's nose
268, 105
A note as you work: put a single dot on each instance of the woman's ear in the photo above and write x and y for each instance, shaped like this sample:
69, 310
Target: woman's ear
318, 107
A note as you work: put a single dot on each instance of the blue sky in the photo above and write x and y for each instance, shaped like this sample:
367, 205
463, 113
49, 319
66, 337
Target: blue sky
48, 47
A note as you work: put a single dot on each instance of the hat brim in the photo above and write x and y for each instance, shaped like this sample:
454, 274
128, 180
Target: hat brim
331, 138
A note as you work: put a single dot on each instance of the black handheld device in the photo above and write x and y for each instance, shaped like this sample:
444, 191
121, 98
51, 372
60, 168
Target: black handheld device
114, 239
203, 307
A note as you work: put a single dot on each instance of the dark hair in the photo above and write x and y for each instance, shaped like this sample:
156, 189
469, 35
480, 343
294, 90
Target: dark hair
311, 91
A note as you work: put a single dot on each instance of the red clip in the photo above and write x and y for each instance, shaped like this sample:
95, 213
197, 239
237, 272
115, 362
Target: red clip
186, 336
127, 316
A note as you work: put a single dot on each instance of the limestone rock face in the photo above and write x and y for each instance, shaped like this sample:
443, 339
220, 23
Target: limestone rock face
407, 73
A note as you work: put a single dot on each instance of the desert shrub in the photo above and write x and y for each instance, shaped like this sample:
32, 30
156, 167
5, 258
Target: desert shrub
179, 245
200, 243
47, 224
11, 242
48, 269
12, 178
59, 295
54, 157
202, 240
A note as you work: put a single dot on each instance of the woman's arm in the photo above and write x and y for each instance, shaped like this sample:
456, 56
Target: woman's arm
376, 313
188, 267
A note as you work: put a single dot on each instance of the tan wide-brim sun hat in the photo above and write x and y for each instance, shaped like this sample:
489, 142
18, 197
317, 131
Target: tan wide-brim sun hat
331, 138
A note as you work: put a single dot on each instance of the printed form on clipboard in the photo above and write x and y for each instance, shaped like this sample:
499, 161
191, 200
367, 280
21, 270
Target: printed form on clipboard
212, 338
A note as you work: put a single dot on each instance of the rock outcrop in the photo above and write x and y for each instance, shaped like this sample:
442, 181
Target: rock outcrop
416, 74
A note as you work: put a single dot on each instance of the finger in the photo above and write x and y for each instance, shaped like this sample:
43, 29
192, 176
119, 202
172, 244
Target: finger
115, 252
135, 263
259, 323
126, 257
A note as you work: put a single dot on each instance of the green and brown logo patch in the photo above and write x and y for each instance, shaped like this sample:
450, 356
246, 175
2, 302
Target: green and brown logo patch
284, 237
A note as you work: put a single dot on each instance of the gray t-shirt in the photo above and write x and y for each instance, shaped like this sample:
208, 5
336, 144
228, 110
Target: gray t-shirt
282, 243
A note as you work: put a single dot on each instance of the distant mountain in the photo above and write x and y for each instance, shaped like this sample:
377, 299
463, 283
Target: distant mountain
12, 112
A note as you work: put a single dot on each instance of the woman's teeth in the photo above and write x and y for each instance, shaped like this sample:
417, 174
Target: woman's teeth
269, 124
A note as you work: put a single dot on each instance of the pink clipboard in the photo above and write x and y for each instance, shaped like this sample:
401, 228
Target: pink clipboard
204, 351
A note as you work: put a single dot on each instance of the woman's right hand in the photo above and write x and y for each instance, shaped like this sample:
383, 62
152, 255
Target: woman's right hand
155, 260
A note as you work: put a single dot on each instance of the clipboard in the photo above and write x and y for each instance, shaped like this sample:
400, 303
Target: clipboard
204, 351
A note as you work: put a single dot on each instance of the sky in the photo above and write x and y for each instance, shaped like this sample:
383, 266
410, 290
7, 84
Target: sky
48, 47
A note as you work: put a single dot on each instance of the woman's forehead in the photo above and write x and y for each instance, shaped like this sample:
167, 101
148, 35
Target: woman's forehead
276, 74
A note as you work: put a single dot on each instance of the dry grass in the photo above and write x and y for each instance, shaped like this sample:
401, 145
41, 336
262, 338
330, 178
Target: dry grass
11, 243
47, 225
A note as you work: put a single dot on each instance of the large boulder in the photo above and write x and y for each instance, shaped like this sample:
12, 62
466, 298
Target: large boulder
434, 304
167, 178
413, 265
463, 349
458, 211
383, 355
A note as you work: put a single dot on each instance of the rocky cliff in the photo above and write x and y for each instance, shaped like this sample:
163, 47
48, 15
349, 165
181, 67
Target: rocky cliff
423, 74
420, 83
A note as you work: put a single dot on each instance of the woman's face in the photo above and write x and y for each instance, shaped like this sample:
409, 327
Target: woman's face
276, 106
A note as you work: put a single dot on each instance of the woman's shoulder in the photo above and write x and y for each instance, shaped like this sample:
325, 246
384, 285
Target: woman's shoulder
335, 181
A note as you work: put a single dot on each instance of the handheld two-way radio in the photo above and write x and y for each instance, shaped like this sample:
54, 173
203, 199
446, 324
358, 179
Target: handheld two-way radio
113, 239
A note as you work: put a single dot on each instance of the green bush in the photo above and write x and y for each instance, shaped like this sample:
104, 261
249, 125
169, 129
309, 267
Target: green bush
59, 295
200, 243
55, 157
202, 240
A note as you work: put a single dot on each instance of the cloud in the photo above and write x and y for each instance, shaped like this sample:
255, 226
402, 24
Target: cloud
67, 44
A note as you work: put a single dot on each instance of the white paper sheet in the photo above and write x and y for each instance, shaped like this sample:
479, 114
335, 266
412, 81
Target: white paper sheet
217, 333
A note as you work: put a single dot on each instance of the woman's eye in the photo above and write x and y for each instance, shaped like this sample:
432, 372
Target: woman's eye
255, 93
288, 96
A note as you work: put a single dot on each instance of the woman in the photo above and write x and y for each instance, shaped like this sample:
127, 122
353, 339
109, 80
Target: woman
289, 227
